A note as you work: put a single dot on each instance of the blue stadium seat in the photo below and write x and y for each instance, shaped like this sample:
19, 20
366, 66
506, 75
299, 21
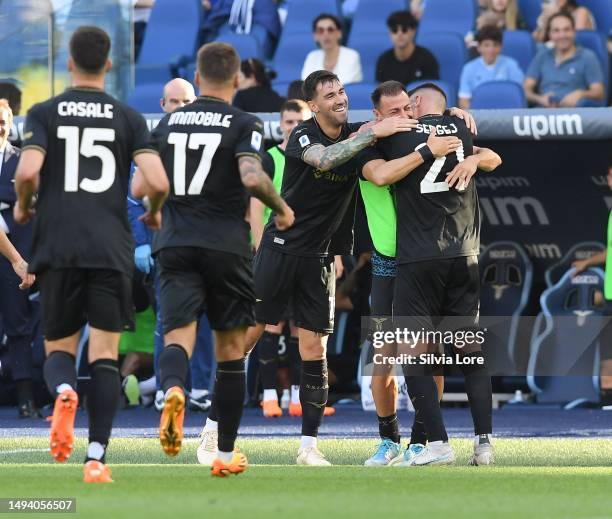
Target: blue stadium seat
371, 16
290, 55
281, 87
457, 16
564, 361
359, 95
598, 44
246, 45
579, 251
530, 11
449, 90
520, 46
171, 37
369, 46
602, 11
301, 14
506, 277
498, 94
145, 98
449, 49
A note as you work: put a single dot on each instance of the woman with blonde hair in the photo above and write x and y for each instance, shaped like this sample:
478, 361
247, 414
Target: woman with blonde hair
503, 14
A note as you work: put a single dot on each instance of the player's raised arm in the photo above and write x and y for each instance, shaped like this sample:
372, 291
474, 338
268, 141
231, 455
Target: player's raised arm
326, 158
255, 179
27, 178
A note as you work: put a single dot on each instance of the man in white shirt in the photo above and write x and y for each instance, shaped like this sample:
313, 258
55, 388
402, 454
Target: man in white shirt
332, 56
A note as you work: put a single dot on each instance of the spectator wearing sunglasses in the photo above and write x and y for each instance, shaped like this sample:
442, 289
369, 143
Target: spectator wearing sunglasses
332, 56
406, 61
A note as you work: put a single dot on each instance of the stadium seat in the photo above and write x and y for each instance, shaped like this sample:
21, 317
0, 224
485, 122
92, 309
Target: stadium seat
530, 11
281, 87
246, 45
371, 16
449, 49
602, 11
171, 38
506, 277
598, 44
581, 250
564, 362
359, 95
301, 14
457, 16
449, 90
520, 46
145, 98
498, 94
369, 46
290, 55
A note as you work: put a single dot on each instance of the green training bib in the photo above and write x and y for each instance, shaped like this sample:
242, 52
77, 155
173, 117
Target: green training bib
277, 181
382, 219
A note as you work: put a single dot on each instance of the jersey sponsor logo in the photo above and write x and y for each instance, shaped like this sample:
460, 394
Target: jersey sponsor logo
304, 141
256, 141
280, 241
83, 109
540, 126
503, 254
329, 175
201, 118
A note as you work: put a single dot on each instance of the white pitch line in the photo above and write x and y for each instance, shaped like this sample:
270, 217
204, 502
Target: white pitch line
20, 451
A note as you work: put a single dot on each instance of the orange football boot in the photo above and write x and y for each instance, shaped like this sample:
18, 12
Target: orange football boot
171, 421
271, 409
96, 472
62, 424
237, 465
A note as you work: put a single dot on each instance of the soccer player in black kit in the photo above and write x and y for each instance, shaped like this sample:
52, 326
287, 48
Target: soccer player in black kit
438, 241
212, 152
297, 265
77, 154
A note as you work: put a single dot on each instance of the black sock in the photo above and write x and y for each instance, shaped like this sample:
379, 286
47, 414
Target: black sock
480, 396
295, 362
313, 395
59, 369
173, 367
418, 434
424, 396
267, 347
24, 391
102, 400
230, 386
388, 427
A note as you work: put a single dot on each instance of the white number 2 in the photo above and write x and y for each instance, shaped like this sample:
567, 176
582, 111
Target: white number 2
88, 149
210, 141
428, 184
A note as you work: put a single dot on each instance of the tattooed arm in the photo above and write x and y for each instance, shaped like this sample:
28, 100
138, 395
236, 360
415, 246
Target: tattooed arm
255, 179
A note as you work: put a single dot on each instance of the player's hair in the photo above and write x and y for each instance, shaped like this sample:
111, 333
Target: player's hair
252, 67
404, 19
326, 16
89, 48
12, 94
294, 105
218, 62
4, 105
490, 32
388, 88
314, 79
429, 86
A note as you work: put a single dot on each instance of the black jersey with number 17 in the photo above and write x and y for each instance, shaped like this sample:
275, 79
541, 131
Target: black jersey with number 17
89, 139
200, 145
434, 221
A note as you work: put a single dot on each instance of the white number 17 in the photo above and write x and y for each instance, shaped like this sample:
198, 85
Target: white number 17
210, 141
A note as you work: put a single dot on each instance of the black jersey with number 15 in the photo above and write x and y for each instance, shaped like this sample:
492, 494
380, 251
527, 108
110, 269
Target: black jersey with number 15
89, 139
200, 145
434, 221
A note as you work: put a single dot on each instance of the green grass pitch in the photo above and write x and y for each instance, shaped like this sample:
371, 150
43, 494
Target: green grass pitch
532, 478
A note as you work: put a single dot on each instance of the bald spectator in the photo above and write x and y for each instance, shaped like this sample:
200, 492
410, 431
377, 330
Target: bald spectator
177, 93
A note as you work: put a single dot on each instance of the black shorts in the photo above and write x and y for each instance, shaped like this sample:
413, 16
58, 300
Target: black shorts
71, 297
194, 280
384, 271
434, 289
309, 284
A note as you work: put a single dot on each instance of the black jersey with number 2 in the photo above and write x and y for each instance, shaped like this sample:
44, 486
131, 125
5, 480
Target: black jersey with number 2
89, 139
322, 201
200, 145
434, 221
